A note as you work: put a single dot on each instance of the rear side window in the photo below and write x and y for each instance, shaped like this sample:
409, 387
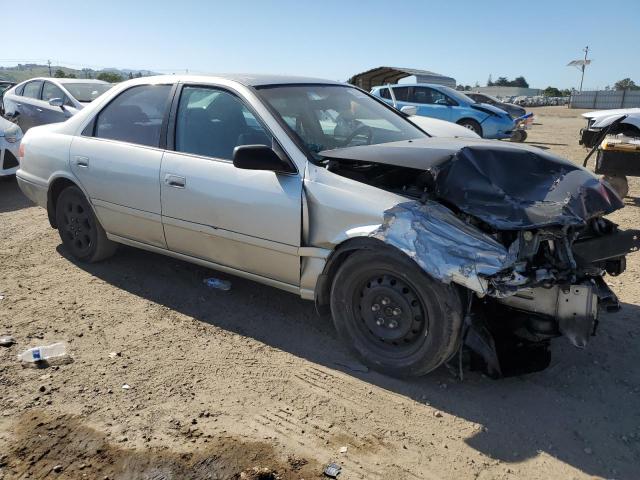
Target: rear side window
19, 89
50, 91
135, 116
32, 89
384, 93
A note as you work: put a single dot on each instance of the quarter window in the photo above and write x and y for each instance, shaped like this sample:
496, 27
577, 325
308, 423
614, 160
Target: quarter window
135, 116
384, 93
212, 122
32, 89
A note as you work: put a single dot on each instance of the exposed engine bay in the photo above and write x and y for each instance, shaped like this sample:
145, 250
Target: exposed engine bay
522, 230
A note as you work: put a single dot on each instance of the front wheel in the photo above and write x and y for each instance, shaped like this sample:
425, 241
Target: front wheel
81, 233
619, 183
395, 317
471, 125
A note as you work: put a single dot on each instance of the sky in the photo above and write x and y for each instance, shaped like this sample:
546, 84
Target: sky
334, 39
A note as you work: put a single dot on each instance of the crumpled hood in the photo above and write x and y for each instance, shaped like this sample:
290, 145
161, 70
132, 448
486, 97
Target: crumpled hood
508, 187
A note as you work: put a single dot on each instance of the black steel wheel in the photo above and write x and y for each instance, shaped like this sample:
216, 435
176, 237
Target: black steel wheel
396, 318
80, 232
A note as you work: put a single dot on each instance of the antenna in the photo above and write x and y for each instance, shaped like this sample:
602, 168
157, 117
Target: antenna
581, 64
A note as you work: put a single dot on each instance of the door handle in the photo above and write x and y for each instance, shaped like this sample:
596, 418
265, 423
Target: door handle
82, 161
39, 109
175, 181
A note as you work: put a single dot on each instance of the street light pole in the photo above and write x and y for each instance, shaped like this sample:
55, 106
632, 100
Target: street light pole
584, 65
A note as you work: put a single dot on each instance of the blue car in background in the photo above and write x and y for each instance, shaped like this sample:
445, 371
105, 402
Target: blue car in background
445, 103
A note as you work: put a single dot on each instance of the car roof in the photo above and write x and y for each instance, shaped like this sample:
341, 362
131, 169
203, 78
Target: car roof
66, 80
430, 85
246, 79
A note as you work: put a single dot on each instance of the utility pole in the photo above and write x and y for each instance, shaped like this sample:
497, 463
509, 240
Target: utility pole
584, 65
49, 63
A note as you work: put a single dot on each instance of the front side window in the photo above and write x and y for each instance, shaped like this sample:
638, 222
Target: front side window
401, 94
384, 93
212, 122
50, 91
135, 116
32, 89
325, 117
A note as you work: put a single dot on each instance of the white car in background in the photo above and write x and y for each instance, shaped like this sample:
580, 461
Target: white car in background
442, 128
10, 136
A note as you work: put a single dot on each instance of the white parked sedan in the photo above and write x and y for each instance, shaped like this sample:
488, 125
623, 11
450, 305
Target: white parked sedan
10, 136
320, 189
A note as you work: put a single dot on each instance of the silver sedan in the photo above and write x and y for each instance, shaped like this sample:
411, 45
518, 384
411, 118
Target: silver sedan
417, 246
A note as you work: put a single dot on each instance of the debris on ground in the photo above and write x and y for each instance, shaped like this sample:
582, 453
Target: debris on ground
332, 470
7, 341
114, 354
217, 283
256, 473
126, 387
343, 449
43, 356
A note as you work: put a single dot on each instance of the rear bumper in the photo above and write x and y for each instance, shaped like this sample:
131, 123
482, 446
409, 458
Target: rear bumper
36, 192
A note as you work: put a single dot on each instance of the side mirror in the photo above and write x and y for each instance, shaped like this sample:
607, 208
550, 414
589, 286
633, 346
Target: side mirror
409, 110
260, 157
56, 102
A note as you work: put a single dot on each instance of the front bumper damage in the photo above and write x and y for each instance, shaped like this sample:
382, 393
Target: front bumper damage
522, 233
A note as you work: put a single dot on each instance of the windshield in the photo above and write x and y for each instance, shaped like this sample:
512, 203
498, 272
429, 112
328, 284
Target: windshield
459, 96
325, 117
86, 92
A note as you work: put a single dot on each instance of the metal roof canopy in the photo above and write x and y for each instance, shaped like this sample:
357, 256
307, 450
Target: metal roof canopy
385, 75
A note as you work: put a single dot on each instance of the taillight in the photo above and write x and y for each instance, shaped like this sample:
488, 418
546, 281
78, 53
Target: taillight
21, 151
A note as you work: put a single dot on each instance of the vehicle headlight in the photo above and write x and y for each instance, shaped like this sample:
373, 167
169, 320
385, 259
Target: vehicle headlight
11, 134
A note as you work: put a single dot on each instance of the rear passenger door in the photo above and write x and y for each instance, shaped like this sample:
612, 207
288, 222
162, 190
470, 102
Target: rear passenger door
249, 220
117, 161
26, 105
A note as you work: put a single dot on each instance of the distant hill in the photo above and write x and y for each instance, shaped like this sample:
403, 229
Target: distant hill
30, 70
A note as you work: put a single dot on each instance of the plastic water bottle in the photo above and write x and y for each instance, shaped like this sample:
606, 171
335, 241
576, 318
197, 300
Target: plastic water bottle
54, 353
217, 283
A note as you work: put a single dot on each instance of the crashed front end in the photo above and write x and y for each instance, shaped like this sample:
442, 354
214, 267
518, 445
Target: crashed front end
521, 231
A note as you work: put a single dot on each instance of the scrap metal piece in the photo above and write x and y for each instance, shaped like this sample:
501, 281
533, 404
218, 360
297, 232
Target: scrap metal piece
443, 245
332, 470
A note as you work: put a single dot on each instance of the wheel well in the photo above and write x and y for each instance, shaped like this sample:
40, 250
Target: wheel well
54, 192
337, 258
462, 120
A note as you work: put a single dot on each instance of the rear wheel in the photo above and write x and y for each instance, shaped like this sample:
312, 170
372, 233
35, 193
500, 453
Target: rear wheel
471, 125
81, 233
394, 316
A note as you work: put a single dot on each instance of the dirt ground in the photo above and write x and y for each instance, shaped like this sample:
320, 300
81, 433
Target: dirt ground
222, 382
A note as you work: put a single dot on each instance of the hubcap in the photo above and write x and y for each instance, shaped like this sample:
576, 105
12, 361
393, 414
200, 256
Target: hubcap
391, 311
77, 226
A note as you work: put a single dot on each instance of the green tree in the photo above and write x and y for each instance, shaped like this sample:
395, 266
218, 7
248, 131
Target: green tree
71, 75
502, 82
519, 82
109, 77
59, 73
626, 84
551, 92
130, 75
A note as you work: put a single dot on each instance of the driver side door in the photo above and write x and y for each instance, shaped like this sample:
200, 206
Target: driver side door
249, 220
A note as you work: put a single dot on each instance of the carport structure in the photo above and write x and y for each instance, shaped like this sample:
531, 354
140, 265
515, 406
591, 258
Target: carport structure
385, 75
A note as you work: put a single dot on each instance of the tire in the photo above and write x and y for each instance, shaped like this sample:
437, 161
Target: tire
373, 289
619, 183
81, 233
471, 125
518, 136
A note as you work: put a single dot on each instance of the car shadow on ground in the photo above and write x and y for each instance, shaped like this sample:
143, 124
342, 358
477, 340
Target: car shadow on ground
11, 198
579, 410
